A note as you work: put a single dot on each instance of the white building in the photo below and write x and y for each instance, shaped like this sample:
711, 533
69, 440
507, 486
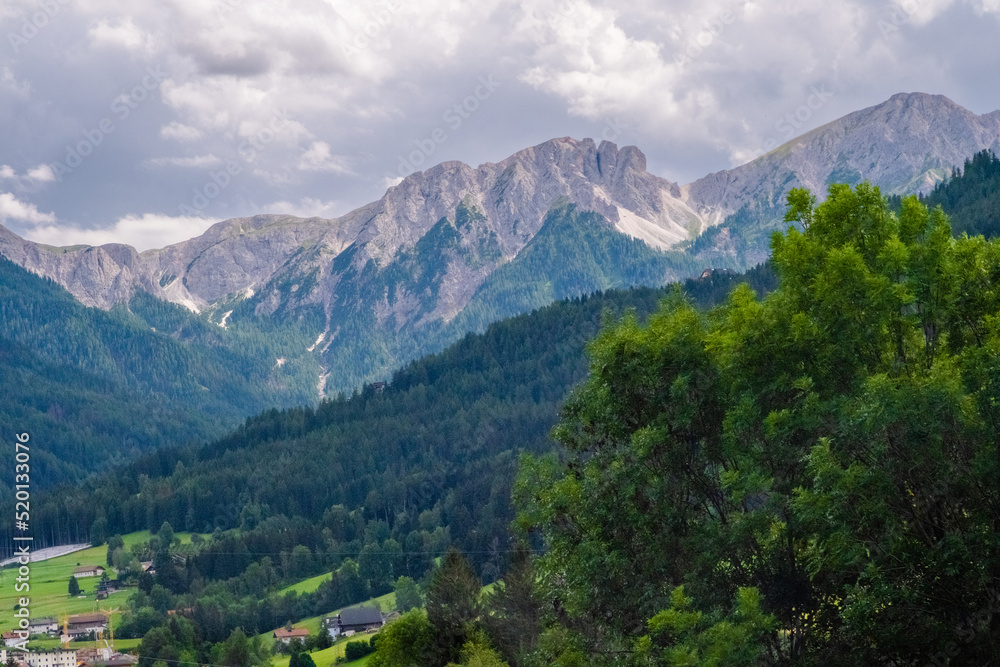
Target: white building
43, 626
52, 658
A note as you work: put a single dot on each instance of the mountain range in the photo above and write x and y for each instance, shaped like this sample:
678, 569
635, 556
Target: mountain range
453, 248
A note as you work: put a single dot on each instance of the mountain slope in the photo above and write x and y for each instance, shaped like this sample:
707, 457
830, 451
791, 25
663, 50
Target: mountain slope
971, 197
96, 388
412, 272
904, 145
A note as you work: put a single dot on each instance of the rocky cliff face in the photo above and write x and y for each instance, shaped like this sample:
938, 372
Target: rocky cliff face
236, 256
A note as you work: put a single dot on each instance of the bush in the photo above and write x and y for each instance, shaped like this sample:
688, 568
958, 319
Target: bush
357, 650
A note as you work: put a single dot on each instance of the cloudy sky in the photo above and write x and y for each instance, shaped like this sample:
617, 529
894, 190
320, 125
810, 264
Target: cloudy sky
144, 122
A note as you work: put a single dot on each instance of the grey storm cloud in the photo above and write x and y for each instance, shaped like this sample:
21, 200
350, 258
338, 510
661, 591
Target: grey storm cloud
314, 108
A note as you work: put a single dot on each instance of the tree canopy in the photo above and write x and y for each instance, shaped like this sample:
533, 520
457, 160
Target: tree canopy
811, 476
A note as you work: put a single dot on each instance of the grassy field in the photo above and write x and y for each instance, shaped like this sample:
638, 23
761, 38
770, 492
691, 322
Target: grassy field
327, 657
120, 644
306, 585
49, 584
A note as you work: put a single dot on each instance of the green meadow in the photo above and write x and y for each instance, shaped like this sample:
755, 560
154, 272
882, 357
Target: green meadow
48, 593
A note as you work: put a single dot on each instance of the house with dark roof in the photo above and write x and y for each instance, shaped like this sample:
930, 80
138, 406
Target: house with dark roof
84, 624
355, 619
46, 625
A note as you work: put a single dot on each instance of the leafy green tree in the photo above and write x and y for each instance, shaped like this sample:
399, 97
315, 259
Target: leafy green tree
301, 659
477, 652
239, 651
831, 446
166, 535
300, 562
375, 567
323, 638
74, 587
115, 543
356, 650
407, 594
681, 635
406, 642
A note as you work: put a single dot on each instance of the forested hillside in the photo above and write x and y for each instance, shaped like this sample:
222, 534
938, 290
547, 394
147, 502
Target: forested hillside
971, 197
436, 448
95, 388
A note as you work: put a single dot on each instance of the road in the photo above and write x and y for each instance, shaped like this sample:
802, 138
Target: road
49, 552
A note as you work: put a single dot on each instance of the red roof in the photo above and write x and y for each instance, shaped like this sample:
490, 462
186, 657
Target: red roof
282, 633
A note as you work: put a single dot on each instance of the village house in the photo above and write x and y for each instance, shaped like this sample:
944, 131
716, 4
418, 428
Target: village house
43, 626
355, 619
12, 638
89, 656
84, 624
50, 658
286, 635
88, 571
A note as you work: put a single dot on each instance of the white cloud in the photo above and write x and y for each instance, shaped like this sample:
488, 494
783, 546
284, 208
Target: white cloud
390, 181
180, 132
197, 161
10, 84
144, 232
306, 208
120, 34
42, 174
695, 82
12, 208
318, 158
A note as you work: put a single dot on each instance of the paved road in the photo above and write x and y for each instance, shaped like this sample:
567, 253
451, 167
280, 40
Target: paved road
49, 552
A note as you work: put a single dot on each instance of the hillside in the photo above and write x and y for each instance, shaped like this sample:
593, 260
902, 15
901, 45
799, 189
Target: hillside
95, 388
971, 196
443, 437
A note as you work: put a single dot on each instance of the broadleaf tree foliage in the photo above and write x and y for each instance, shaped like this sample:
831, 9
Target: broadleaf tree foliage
808, 478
